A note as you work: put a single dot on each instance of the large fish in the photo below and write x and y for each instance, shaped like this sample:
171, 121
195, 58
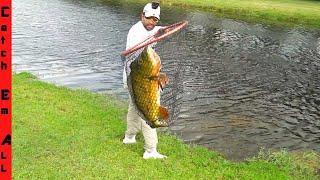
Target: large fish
144, 84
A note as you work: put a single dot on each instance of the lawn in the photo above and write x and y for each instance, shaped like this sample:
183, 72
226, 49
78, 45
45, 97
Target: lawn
60, 133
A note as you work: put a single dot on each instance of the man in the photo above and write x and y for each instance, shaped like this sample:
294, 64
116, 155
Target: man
139, 32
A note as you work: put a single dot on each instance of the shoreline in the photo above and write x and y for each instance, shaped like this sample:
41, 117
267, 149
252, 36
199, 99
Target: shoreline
288, 13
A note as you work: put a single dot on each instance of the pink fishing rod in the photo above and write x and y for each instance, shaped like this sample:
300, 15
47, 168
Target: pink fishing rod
159, 35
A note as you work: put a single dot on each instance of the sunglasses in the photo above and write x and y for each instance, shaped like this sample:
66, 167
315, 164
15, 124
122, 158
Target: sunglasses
153, 18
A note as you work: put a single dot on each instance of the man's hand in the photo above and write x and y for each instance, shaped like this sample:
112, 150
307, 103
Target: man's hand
160, 32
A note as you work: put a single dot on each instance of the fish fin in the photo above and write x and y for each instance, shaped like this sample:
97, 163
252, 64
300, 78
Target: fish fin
154, 78
160, 85
163, 113
163, 80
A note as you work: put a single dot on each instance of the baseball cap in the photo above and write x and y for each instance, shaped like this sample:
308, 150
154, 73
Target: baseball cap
152, 10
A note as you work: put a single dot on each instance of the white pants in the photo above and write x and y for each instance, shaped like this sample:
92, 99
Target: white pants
135, 123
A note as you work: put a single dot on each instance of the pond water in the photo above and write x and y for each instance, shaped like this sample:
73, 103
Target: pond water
234, 87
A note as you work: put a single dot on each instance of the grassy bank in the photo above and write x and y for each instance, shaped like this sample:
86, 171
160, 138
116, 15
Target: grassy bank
66, 134
274, 12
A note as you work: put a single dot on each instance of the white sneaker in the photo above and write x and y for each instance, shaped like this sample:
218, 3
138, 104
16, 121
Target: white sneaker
153, 154
129, 140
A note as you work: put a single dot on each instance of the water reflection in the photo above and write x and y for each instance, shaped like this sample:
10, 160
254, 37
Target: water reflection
234, 87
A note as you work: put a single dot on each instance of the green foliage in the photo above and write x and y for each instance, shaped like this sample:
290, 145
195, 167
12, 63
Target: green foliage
299, 164
273, 12
60, 133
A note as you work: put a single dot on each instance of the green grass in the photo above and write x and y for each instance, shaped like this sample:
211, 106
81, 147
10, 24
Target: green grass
60, 133
274, 12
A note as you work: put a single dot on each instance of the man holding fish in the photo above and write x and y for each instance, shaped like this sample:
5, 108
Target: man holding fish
145, 112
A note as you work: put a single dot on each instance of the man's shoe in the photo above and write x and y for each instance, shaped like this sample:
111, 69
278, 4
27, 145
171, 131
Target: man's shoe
153, 155
129, 140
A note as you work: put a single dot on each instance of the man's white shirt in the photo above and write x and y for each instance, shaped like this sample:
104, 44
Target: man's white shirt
137, 34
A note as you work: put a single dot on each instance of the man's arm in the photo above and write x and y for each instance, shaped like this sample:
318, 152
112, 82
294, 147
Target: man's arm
129, 40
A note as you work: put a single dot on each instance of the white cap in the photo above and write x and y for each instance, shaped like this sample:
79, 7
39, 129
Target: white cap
149, 11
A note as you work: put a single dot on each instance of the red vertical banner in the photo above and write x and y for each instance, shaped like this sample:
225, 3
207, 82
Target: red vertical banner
5, 89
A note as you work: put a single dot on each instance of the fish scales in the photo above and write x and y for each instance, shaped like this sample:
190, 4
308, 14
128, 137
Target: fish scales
144, 84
